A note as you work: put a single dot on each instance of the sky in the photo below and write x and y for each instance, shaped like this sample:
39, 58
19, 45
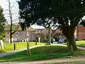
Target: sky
15, 11
14, 8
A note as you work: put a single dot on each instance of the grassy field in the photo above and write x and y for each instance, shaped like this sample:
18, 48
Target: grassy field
19, 45
81, 43
43, 53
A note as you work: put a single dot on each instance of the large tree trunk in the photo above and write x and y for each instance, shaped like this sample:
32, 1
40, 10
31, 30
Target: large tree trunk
71, 43
69, 33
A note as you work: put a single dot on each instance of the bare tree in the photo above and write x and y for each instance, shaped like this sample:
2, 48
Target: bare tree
10, 15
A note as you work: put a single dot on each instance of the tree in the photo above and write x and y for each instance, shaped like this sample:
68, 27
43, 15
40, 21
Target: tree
64, 12
11, 20
28, 14
9, 13
2, 21
82, 22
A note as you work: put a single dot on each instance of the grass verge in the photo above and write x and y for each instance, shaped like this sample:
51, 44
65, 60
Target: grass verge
80, 43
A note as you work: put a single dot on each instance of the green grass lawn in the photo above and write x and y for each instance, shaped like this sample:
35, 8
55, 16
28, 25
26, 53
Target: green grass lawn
19, 45
81, 43
43, 53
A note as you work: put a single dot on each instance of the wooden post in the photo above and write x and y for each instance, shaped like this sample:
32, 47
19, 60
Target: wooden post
14, 46
28, 49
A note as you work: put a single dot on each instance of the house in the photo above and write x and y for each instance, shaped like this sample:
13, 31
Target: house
80, 32
20, 35
30, 34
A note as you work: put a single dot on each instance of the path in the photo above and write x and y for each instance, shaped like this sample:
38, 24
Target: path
11, 52
47, 61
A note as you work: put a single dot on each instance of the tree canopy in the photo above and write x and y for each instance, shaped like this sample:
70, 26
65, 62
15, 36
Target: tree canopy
2, 20
67, 13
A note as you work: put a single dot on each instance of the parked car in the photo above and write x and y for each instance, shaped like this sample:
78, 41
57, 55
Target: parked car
60, 40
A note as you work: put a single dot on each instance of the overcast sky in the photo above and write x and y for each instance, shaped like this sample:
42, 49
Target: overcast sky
14, 9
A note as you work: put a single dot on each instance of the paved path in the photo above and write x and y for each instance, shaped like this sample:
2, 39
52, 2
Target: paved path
11, 52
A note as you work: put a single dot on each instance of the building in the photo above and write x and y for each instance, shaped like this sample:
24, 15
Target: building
20, 35
30, 34
80, 33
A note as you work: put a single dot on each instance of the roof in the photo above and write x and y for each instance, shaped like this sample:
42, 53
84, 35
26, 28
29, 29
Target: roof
37, 27
30, 29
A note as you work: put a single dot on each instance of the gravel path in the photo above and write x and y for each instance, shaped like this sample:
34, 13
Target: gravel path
47, 61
